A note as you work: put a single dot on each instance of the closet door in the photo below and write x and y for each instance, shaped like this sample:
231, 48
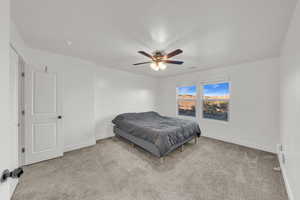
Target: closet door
43, 110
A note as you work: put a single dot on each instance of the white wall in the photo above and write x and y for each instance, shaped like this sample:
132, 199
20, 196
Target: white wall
119, 92
16, 39
6, 139
253, 105
290, 105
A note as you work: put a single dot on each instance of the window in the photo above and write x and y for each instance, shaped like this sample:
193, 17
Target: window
216, 101
186, 101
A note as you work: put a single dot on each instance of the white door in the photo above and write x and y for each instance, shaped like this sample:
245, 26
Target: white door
43, 120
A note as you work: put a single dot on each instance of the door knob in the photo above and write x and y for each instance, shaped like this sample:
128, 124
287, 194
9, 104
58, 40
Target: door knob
59, 117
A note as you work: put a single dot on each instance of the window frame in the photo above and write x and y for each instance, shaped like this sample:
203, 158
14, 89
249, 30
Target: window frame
196, 101
202, 84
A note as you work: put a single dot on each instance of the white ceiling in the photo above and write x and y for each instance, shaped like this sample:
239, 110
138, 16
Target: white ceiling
211, 33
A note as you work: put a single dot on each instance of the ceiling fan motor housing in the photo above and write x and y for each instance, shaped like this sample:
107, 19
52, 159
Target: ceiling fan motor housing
159, 55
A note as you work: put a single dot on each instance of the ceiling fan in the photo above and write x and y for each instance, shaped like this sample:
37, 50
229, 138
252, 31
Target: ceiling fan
160, 58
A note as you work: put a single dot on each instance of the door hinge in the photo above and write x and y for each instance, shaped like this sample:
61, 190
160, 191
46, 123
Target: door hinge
23, 74
23, 112
23, 150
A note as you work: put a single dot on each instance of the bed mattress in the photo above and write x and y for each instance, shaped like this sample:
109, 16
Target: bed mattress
162, 132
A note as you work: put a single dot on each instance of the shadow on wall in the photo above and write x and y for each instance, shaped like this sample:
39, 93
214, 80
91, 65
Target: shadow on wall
104, 127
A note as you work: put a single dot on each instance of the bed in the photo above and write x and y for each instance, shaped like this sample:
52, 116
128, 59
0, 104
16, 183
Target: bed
155, 133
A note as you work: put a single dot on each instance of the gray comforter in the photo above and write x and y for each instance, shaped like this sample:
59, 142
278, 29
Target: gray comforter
162, 131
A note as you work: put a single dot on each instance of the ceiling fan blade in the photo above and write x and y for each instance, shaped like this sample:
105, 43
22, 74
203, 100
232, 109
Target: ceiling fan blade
176, 62
174, 53
142, 63
145, 54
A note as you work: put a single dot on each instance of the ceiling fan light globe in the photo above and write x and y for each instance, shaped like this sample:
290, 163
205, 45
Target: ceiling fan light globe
162, 66
154, 66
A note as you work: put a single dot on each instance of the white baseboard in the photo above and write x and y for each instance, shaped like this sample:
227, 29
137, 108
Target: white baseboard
283, 171
243, 143
79, 146
101, 137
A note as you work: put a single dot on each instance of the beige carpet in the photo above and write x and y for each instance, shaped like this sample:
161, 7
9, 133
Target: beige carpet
113, 170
